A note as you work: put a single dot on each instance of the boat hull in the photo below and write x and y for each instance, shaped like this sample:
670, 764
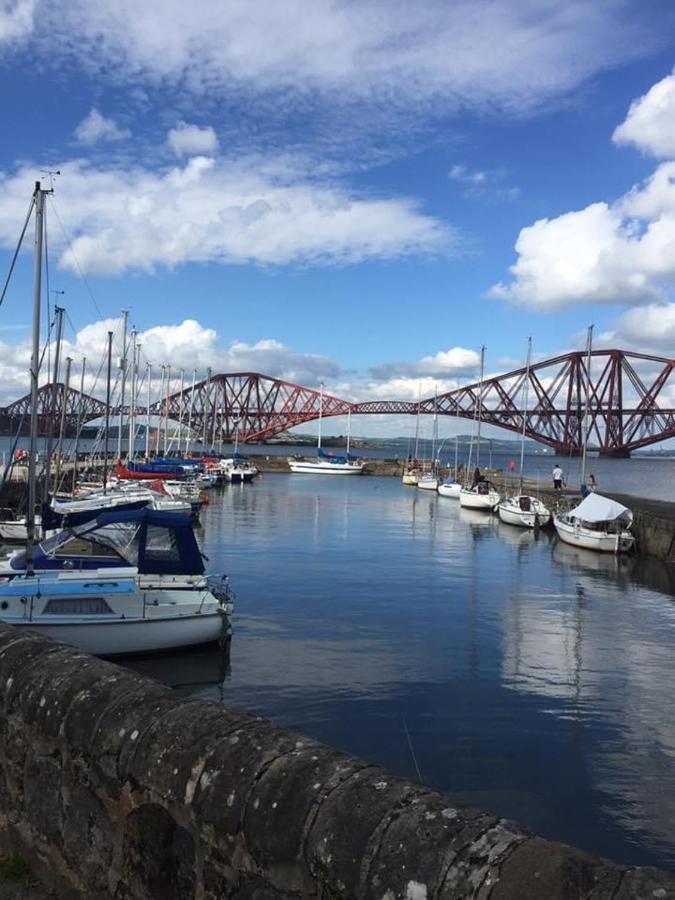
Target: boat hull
472, 500
601, 541
133, 636
450, 490
319, 468
428, 484
536, 517
410, 478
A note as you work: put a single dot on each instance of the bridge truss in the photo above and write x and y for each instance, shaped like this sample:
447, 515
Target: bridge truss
631, 404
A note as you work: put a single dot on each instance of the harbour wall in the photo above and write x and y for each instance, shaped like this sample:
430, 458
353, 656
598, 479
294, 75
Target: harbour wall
114, 786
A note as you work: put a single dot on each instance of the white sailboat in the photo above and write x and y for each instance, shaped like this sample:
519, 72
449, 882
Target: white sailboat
325, 463
411, 470
481, 494
429, 480
597, 523
451, 487
524, 509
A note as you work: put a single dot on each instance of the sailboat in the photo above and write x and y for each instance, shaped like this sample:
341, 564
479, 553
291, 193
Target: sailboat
597, 523
480, 495
327, 463
429, 480
451, 487
524, 509
159, 601
411, 471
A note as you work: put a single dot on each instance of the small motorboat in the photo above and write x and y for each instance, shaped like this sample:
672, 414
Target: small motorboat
525, 511
411, 476
597, 523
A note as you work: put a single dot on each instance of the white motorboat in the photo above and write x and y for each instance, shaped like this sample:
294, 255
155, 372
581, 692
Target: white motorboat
482, 496
450, 488
237, 470
128, 582
428, 482
335, 465
411, 476
597, 523
525, 511
15, 531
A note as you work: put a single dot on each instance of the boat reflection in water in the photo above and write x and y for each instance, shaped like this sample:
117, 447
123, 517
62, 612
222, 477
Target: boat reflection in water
191, 670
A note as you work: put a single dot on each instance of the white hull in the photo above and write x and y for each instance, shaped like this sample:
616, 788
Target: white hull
428, 484
132, 636
511, 512
325, 468
450, 490
473, 500
579, 535
410, 478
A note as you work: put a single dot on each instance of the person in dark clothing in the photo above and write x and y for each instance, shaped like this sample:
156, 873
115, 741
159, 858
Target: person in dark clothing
477, 478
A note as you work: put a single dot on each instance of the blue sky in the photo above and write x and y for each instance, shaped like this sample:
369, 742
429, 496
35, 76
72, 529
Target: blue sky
340, 191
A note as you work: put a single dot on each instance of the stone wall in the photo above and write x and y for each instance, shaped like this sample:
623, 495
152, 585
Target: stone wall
113, 786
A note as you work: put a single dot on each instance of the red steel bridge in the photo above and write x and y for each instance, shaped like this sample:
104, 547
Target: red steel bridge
631, 404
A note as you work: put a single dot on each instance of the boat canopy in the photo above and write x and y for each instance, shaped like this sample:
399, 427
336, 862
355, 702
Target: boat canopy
158, 543
338, 460
596, 508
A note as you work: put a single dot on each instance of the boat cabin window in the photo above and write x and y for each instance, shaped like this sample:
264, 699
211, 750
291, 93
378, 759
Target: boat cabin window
161, 545
122, 539
78, 546
77, 606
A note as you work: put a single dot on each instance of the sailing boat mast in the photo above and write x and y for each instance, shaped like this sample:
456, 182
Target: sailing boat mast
188, 433
586, 425
480, 403
80, 410
58, 313
39, 203
434, 432
148, 367
132, 405
525, 399
318, 445
107, 414
417, 420
349, 428
123, 370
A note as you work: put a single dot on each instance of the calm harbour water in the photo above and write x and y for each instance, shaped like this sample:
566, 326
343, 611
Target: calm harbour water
535, 680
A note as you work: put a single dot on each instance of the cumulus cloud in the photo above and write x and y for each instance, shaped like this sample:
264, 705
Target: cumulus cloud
185, 345
16, 19
191, 140
649, 328
96, 127
513, 56
650, 123
232, 212
606, 253
444, 364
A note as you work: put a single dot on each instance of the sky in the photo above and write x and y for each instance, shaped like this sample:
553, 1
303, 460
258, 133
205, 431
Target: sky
360, 193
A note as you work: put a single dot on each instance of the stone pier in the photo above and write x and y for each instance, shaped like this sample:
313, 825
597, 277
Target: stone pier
113, 786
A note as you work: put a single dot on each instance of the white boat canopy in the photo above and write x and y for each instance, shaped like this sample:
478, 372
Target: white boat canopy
596, 508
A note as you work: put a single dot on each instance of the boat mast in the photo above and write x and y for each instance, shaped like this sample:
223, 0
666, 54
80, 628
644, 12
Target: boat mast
132, 407
456, 454
38, 202
589, 348
480, 403
58, 312
123, 370
79, 420
107, 414
178, 436
349, 428
148, 375
417, 420
318, 445
188, 433
434, 431
525, 399
207, 405
62, 425
166, 410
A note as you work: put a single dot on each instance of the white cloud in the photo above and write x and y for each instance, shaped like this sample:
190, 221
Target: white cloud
650, 123
511, 56
95, 127
650, 328
232, 212
483, 184
606, 253
16, 19
191, 140
446, 363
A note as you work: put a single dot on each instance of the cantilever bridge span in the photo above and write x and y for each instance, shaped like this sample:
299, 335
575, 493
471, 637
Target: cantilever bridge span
629, 399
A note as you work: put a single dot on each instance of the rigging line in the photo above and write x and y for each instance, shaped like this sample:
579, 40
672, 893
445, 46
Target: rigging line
46, 255
412, 751
16, 252
70, 242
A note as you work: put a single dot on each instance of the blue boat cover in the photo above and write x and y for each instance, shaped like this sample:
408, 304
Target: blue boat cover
163, 467
331, 457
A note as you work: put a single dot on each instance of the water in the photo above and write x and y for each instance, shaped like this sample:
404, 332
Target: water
535, 680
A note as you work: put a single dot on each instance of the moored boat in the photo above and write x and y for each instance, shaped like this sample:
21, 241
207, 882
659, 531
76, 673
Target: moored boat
525, 511
482, 496
450, 488
597, 523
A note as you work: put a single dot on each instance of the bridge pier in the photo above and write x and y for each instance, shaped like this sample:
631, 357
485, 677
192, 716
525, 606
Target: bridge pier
619, 453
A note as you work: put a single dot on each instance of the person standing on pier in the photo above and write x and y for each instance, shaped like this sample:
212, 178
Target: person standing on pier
557, 478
